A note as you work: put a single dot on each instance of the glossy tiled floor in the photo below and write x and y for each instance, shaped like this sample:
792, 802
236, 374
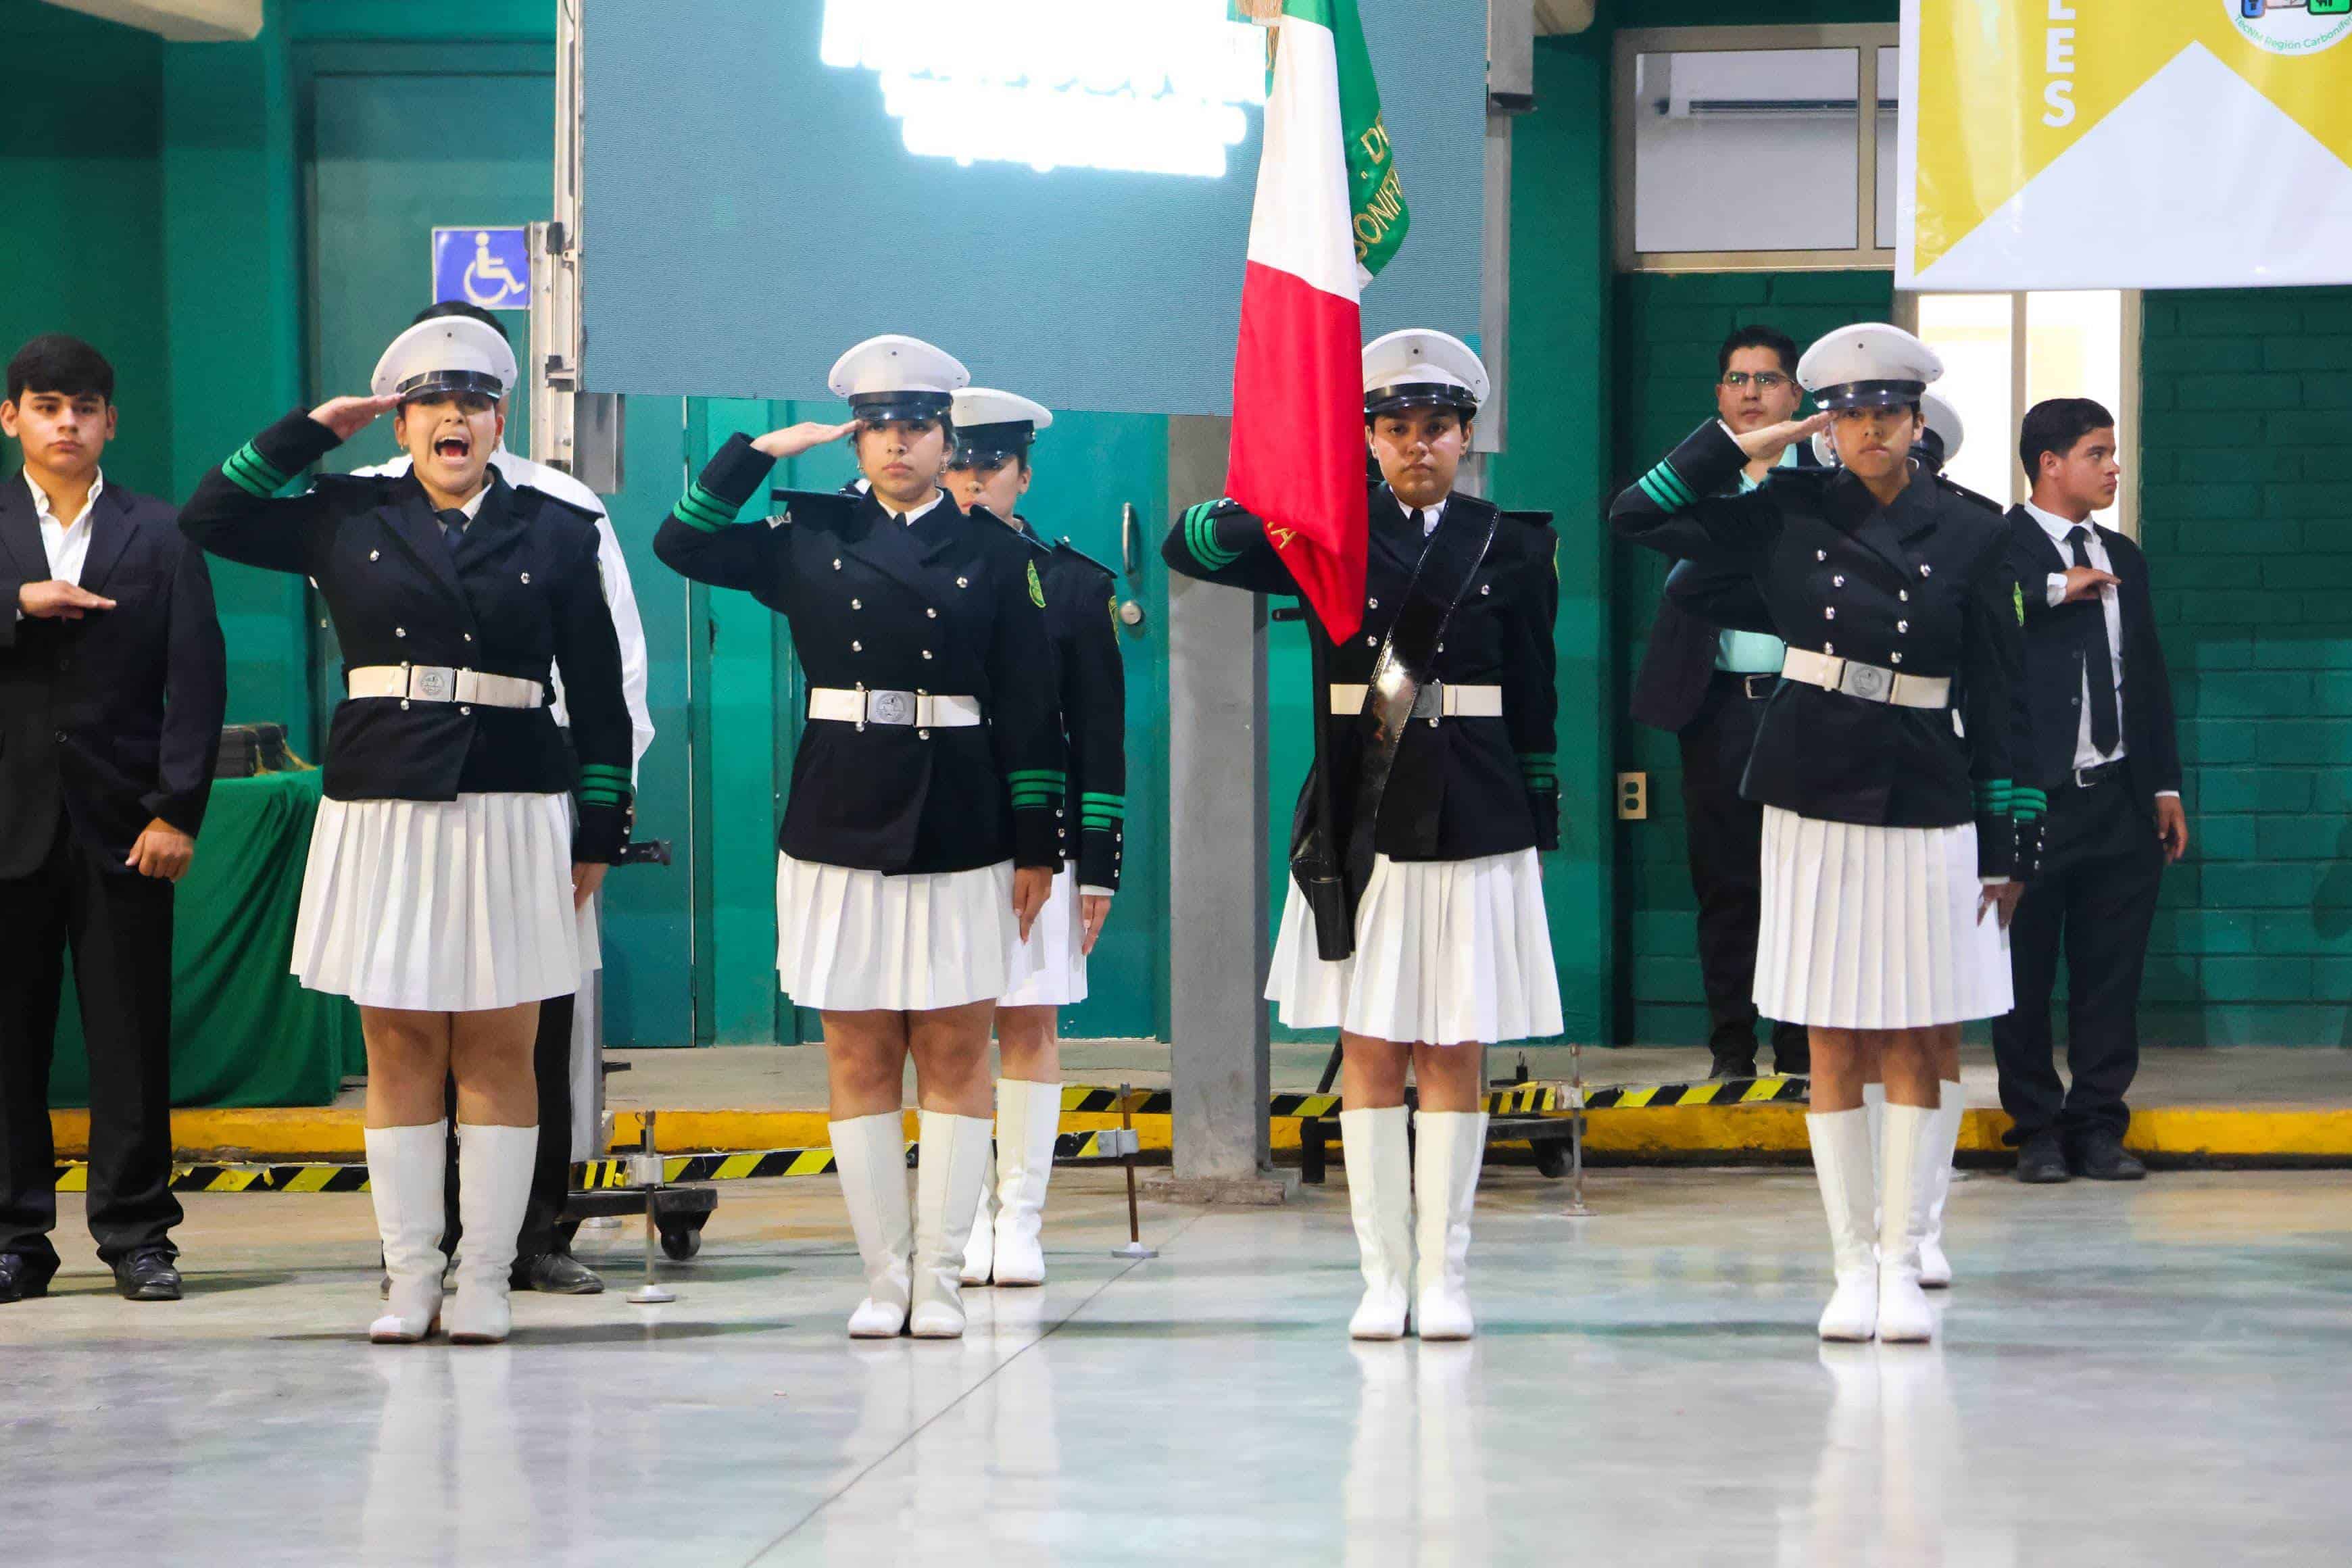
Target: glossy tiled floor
2131, 1375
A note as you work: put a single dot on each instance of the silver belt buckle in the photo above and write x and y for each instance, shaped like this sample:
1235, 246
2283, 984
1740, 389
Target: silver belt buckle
889, 708
1867, 681
435, 683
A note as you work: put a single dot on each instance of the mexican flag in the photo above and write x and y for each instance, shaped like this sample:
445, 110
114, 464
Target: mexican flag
1329, 215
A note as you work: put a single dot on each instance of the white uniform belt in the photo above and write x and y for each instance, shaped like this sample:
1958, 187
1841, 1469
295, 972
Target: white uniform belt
1867, 681
1436, 699
440, 683
924, 709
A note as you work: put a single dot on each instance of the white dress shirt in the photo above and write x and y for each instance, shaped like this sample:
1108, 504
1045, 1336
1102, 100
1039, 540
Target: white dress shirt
921, 513
620, 596
65, 542
2086, 753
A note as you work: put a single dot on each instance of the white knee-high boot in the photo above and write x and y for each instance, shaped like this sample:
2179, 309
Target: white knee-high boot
494, 1167
1936, 1153
1380, 1196
1873, 1102
405, 1177
1028, 1119
1903, 1312
1449, 1149
979, 1252
1842, 1154
869, 1154
946, 1191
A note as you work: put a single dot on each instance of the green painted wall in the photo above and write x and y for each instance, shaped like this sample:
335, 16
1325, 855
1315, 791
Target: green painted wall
81, 123
2246, 515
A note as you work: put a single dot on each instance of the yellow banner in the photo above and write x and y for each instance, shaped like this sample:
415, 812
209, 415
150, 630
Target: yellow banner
2109, 126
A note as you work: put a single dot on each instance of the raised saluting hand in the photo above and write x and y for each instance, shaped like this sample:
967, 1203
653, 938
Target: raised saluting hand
1768, 443
807, 435
347, 416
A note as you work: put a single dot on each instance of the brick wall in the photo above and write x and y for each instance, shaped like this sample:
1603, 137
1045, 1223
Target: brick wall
1668, 331
2246, 507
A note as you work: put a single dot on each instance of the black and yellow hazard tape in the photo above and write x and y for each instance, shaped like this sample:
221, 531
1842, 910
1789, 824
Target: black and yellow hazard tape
1774, 1091
73, 1176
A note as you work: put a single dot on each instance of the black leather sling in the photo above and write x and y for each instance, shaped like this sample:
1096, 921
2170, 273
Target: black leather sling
1333, 884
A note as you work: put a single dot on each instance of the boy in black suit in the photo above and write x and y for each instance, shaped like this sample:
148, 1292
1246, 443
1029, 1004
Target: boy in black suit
113, 683
2103, 728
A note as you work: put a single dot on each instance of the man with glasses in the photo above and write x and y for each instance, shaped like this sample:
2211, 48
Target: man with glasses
1708, 685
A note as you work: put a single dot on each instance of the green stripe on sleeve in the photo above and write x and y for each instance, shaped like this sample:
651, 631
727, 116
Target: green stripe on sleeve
246, 470
1674, 483
1658, 496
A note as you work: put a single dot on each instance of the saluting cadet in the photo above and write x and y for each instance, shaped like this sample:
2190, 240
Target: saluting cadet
989, 473
564, 1054
1729, 597
446, 864
1888, 833
921, 834
1439, 779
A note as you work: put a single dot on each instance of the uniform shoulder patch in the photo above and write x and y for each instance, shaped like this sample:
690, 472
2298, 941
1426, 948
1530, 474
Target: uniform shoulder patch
2017, 596
1036, 588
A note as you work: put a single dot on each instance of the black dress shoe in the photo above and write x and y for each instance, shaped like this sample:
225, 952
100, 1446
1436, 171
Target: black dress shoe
556, 1274
1732, 1068
23, 1278
2101, 1156
2039, 1159
147, 1275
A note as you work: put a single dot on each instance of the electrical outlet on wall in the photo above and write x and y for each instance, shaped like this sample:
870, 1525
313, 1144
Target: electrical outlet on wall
1632, 797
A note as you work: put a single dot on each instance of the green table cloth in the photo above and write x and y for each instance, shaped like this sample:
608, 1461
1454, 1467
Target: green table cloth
243, 1032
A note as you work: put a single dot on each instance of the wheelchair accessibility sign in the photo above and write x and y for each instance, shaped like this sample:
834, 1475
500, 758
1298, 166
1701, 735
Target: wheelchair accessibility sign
485, 266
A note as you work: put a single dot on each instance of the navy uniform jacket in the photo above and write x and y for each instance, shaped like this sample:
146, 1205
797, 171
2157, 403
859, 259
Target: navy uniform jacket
1461, 787
2059, 638
1090, 679
519, 597
1922, 587
114, 718
951, 603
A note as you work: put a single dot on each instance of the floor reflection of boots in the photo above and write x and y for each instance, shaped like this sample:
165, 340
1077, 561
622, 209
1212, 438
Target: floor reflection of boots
406, 1516
1924, 1492
1840, 1528
493, 1500
1453, 1480
1376, 1495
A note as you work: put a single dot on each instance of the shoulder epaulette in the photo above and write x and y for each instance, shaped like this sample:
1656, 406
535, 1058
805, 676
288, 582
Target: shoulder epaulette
1068, 549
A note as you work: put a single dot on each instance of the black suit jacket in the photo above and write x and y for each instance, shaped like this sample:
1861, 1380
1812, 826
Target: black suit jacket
115, 717
1680, 658
2058, 641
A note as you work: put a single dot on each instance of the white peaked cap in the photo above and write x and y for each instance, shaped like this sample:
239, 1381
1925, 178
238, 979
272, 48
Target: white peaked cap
896, 377
987, 406
1870, 364
1944, 422
446, 353
1422, 367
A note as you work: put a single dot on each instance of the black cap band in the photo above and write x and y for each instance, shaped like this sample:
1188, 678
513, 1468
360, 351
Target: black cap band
884, 407
434, 381
1419, 394
1869, 393
994, 443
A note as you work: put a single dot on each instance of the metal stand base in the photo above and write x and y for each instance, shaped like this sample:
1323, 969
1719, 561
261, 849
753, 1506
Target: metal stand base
650, 1295
1135, 1252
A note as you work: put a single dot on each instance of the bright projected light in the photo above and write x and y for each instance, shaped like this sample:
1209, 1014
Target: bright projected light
1152, 86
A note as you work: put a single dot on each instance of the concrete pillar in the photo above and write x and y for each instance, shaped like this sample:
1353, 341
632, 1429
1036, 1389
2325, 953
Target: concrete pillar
1218, 946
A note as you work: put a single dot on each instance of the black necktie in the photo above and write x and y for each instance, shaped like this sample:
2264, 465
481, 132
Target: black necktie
453, 527
2102, 689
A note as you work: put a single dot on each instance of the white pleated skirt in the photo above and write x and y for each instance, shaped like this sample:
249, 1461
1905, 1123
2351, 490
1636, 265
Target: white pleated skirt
1049, 970
1876, 927
1446, 952
850, 940
440, 906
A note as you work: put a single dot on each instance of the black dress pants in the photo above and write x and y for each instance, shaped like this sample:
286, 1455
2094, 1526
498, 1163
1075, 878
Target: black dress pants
118, 925
1725, 835
2100, 867
551, 1175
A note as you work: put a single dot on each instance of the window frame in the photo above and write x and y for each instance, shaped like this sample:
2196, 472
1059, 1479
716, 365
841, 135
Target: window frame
2124, 517
1865, 38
